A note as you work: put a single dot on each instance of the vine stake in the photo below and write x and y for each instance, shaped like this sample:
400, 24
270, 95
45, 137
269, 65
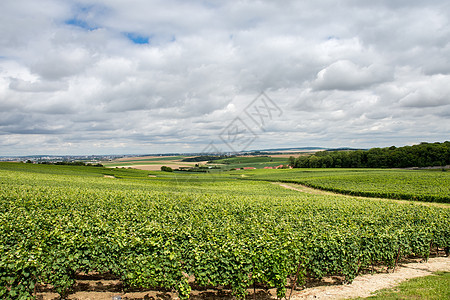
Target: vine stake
429, 252
396, 260
295, 280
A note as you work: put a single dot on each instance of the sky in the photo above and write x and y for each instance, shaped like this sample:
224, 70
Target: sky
147, 76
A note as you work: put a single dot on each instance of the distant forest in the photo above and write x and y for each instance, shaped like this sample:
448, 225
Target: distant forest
422, 155
205, 158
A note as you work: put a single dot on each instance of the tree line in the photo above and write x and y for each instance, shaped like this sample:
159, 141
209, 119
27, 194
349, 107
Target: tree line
422, 155
208, 158
66, 163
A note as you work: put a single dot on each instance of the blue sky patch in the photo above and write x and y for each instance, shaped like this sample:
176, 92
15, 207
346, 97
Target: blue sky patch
80, 23
136, 38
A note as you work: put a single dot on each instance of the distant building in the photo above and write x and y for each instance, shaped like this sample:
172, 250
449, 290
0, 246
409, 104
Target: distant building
281, 167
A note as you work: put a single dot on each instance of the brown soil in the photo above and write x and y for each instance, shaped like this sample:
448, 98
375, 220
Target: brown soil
97, 287
94, 286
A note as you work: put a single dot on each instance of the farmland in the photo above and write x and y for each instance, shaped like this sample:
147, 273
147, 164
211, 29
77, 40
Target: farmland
148, 163
220, 231
258, 162
154, 163
424, 185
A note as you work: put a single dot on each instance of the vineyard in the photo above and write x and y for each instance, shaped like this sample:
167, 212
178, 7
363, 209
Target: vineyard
165, 231
431, 186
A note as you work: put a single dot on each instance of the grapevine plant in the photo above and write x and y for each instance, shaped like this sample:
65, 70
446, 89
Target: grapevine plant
160, 233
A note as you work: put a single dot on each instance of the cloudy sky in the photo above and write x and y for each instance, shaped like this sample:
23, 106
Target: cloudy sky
148, 76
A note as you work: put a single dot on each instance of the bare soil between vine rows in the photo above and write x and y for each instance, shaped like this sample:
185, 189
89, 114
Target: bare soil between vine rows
103, 287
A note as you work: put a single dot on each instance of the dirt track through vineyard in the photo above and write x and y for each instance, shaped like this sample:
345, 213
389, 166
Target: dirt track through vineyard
364, 285
306, 189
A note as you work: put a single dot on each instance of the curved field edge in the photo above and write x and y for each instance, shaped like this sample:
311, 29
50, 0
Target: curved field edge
306, 189
427, 186
153, 232
385, 195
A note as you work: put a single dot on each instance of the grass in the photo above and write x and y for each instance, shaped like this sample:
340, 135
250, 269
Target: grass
258, 162
84, 171
436, 286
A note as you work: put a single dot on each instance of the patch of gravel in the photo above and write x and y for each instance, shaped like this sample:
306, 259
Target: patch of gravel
365, 285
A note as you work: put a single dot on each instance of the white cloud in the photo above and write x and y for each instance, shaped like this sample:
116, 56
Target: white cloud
345, 75
348, 74
21, 85
428, 92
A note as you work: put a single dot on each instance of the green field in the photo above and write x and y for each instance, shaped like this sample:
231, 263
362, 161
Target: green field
258, 162
250, 159
141, 161
58, 221
160, 158
426, 185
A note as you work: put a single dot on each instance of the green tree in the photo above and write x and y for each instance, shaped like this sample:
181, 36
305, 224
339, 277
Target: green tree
166, 169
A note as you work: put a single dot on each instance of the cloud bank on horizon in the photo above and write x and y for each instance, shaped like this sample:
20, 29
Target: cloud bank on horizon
148, 76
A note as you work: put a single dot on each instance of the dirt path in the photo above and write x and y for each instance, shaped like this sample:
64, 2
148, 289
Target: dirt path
364, 285
309, 190
303, 188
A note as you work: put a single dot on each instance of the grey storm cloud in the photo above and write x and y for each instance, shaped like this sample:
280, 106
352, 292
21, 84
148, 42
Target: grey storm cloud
98, 76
